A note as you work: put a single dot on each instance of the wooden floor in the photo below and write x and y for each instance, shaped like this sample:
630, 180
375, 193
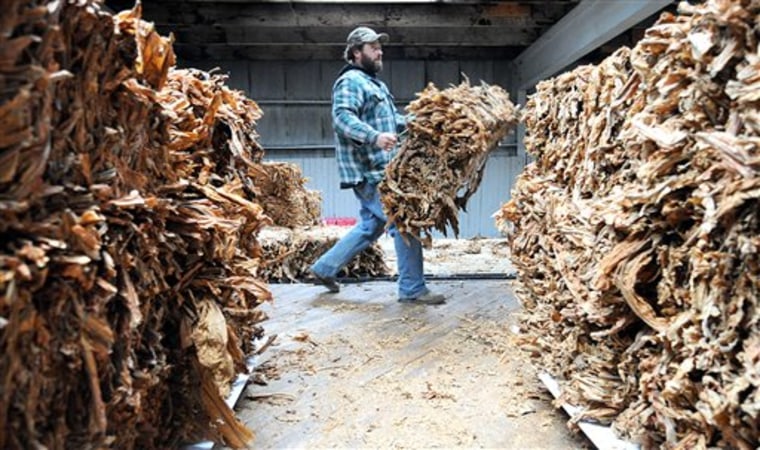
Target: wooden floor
357, 369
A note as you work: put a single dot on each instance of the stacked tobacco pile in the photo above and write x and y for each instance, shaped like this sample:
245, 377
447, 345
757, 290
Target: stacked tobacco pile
127, 301
288, 253
294, 243
441, 162
280, 188
636, 231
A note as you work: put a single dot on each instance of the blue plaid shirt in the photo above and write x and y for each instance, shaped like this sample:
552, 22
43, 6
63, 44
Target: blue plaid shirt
362, 108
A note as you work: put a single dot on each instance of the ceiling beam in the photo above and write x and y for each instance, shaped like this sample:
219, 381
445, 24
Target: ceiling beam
366, 2
336, 36
305, 52
344, 14
585, 28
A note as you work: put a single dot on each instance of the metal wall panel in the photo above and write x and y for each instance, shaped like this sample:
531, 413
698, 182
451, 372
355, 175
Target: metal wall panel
237, 71
502, 75
476, 71
442, 73
266, 80
407, 79
303, 83
273, 127
304, 125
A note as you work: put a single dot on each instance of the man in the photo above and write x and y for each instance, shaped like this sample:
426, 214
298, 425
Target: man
366, 121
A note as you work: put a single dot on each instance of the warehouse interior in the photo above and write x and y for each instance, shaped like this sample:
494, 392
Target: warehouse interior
285, 55
168, 177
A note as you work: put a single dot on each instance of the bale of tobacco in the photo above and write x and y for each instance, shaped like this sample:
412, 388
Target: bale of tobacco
127, 303
288, 254
442, 158
280, 188
636, 231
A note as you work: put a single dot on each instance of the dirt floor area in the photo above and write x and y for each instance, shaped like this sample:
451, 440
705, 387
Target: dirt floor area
357, 369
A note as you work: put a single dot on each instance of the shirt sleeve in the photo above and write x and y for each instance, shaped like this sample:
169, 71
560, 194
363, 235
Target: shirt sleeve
348, 98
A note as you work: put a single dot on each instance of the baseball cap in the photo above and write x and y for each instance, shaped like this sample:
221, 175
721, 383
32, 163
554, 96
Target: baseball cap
363, 35
360, 36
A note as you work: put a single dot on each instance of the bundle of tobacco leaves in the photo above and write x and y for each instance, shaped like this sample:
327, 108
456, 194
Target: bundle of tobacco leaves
290, 252
128, 246
442, 158
280, 188
636, 231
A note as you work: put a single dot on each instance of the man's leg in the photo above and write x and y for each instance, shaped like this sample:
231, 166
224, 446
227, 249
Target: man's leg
411, 275
361, 236
411, 281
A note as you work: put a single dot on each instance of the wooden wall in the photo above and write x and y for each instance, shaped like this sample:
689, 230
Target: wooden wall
296, 127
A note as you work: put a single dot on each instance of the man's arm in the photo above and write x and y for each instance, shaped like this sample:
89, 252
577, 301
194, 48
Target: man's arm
348, 98
402, 120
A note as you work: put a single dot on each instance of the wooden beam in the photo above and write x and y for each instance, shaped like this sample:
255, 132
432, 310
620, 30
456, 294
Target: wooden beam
336, 36
508, 10
305, 52
343, 14
585, 28
384, 2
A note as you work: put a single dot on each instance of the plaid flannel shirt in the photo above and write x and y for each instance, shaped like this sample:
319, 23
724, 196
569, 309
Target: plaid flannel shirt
362, 108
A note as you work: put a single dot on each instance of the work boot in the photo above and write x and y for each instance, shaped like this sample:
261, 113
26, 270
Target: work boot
329, 283
428, 298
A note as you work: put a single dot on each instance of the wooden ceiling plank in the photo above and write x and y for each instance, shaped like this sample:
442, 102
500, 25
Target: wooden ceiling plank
336, 36
502, 10
219, 52
340, 14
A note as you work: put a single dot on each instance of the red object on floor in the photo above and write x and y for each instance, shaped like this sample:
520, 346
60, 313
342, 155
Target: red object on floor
340, 221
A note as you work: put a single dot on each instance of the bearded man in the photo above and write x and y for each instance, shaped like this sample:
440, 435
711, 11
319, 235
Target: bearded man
366, 123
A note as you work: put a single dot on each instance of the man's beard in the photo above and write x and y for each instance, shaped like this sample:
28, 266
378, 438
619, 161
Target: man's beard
369, 65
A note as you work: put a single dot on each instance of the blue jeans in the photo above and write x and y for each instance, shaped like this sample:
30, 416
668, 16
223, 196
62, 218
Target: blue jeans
411, 283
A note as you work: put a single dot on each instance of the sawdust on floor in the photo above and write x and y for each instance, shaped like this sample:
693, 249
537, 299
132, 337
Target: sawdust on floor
402, 377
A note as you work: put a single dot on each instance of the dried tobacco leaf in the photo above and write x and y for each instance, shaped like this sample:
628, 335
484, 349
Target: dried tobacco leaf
121, 222
635, 231
441, 161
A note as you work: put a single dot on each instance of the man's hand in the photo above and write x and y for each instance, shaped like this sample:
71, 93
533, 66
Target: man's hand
386, 141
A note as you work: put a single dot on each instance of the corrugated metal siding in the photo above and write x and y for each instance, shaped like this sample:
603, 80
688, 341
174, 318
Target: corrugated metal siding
296, 127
